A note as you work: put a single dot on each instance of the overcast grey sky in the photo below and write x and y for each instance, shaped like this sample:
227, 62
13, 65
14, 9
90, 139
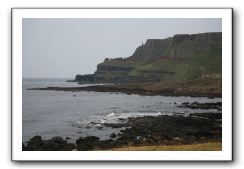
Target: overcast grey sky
62, 48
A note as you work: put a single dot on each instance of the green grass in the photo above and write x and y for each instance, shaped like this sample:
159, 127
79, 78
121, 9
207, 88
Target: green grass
196, 62
190, 68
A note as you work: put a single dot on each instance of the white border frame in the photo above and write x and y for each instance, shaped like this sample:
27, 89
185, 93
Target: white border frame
19, 155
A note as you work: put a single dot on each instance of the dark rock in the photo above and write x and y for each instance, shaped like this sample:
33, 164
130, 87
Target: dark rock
147, 130
58, 139
170, 129
142, 89
55, 144
113, 135
196, 105
85, 78
36, 140
35, 143
122, 119
107, 144
115, 125
87, 143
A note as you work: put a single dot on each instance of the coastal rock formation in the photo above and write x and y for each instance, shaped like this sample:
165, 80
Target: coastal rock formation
36, 143
147, 130
181, 57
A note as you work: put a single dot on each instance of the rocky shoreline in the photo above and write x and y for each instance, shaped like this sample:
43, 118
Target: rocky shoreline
144, 90
139, 131
205, 106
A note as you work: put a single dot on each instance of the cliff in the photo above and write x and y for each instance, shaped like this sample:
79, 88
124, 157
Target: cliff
181, 57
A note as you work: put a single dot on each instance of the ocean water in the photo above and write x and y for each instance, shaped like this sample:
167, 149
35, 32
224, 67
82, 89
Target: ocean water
80, 114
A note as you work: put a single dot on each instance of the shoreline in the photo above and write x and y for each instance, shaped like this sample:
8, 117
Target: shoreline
145, 90
164, 130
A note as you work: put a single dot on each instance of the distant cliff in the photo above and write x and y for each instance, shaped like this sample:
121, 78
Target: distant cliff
181, 57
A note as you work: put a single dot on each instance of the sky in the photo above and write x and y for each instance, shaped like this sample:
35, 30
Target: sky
62, 48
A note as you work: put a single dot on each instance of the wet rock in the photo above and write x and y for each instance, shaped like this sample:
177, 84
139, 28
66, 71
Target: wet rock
107, 144
116, 125
113, 135
212, 116
34, 144
196, 105
122, 119
54, 144
58, 139
58, 144
87, 143
171, 129
147, 130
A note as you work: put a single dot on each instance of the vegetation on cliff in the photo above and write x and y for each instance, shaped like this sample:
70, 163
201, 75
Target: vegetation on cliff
178, 58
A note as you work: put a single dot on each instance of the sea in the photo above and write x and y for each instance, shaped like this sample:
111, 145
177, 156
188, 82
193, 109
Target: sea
80, 114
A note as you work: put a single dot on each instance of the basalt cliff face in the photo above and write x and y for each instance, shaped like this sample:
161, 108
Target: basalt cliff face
181, 57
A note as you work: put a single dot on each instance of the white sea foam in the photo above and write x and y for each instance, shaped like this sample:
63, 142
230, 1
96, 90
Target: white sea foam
111, 114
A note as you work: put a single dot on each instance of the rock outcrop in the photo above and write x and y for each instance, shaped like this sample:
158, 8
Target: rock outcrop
181, 57
147, 130
36, 143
